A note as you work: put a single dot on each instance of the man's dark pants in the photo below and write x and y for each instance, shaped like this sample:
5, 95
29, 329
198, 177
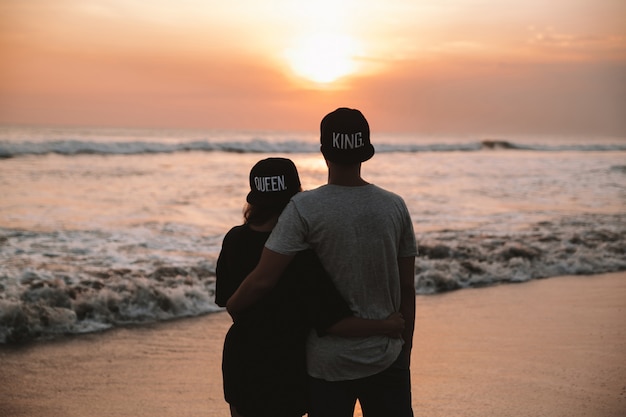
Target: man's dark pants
386, 394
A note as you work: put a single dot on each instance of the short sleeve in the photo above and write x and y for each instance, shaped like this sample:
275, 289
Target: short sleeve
225, 286
407, 245
289, 235
240, 253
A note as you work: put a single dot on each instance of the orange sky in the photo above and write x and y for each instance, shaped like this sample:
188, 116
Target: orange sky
446, 66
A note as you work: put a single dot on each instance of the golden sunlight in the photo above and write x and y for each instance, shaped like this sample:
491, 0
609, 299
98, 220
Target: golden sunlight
323, 57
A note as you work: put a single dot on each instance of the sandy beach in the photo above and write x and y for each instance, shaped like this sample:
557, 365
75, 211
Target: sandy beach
553, 347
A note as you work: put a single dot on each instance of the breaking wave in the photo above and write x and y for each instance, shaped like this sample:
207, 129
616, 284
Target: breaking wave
100, 280
9, 149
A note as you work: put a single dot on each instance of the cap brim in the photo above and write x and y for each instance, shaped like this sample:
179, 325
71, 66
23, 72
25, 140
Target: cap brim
259, 199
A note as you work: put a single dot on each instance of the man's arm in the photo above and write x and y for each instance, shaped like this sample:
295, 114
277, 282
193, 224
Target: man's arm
258, 282
352, 326
406, 266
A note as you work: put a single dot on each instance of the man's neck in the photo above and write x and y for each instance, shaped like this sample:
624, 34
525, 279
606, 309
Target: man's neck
346, 175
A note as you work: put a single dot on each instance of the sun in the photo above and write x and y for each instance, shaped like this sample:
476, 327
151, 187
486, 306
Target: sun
323, 58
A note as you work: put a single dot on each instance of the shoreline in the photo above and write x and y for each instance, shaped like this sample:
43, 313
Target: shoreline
553, 347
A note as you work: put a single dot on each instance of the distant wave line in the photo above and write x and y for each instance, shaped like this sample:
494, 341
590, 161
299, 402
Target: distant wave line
77, 147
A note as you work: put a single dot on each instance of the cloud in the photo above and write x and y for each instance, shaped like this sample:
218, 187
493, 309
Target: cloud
475, 97
583, 45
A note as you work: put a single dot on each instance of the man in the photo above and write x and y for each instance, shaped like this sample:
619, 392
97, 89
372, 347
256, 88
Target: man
364, 238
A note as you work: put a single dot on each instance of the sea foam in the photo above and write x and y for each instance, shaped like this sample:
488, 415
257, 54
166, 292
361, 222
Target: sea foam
123, 281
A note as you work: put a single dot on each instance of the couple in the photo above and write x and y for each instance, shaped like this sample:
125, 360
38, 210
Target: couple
334, 274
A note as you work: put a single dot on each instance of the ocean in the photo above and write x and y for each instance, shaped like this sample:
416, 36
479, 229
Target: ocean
103, 227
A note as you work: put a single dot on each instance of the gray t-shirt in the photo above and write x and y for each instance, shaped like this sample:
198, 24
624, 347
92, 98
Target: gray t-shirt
358, 233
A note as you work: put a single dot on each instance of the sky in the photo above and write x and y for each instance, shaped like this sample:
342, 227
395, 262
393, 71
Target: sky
430, 67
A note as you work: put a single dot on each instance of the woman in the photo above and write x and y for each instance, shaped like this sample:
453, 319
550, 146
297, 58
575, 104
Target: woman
263, 365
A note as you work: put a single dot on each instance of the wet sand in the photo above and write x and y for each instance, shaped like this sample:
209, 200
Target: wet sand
554, 347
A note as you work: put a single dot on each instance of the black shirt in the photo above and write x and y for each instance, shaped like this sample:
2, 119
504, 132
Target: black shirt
264, 366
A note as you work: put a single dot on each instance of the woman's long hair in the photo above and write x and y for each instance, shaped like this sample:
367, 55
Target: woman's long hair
259, 214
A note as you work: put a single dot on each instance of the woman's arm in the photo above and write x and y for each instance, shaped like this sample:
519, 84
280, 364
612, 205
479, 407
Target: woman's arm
392, 326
